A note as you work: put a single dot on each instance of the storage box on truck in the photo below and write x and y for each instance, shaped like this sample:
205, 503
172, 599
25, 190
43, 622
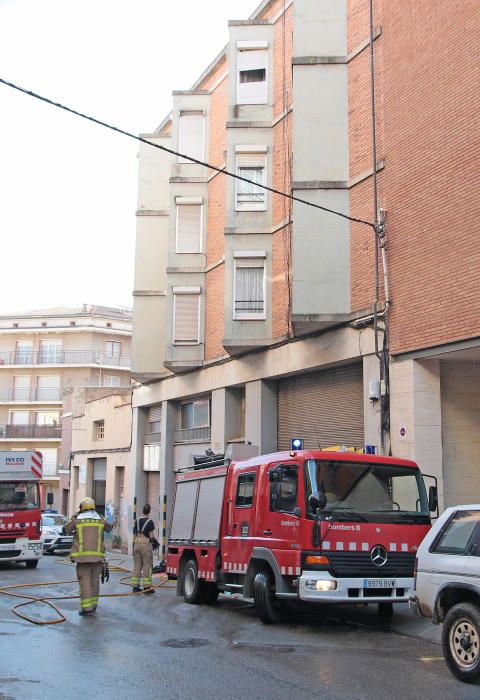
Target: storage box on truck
312, 526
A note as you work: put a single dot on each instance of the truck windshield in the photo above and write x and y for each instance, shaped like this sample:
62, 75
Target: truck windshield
18, 495
376, 491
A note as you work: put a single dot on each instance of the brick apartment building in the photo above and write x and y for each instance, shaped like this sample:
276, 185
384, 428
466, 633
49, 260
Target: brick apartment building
42, 354
257, 318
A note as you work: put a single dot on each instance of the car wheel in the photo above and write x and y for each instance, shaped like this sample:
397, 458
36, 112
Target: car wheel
31, 563
194, 591
461, 641
267, 607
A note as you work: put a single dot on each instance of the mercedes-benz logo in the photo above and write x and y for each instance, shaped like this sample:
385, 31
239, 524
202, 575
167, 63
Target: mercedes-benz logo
378, 555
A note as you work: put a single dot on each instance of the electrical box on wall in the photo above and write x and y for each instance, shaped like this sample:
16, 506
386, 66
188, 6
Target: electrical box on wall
374, 389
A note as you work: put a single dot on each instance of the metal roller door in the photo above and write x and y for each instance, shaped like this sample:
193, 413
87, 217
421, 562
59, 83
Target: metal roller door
325, 408
153, 494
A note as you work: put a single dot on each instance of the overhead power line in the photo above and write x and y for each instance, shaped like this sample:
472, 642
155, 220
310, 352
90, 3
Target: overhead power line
183, 155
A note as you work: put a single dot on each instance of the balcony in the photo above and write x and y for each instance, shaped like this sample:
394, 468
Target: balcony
27, 394
63, 357
187, 435
30, 432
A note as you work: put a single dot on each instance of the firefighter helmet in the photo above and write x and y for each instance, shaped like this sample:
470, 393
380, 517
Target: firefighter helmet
87, 504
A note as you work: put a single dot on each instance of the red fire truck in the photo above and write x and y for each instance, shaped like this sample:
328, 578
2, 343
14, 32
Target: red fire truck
20, 514
313, 526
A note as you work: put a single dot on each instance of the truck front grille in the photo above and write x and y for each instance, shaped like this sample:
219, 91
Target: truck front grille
359, 564
10, 553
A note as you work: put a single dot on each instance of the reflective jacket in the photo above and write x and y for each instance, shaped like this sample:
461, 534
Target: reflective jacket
87, 529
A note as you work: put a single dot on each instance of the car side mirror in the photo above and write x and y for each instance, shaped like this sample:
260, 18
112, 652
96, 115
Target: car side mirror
317, 501
432, 499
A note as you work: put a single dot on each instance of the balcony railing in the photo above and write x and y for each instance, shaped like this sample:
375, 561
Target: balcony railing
28, 432
193, 435
64, 357
24, 395
49, 469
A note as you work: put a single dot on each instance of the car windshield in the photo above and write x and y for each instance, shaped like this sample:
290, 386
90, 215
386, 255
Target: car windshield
18, 495
53, 520
387, 491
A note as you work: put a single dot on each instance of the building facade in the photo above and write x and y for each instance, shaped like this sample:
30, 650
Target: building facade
43, 353
101, 455
258, 318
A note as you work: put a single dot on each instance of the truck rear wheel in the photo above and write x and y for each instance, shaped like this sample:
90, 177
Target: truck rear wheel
267, 607
194, 590
31, 563
385, 610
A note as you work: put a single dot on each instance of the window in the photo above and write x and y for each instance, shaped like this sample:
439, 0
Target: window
48, 388
195, 414
154, 419
189, 225
191, 135
47, 418
24, 352
112, 348
111, 380
19, 417
252, 60
21, 388
283, 490
456, 535
186, 315
250, 164
50, 352
98, 429
249, 286
245, 490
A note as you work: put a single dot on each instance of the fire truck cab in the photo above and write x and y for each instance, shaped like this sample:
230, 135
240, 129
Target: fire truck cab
313, 526
20, 513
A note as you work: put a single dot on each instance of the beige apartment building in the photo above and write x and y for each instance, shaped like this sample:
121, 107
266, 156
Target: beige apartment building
43, 353
101, 421
257, 318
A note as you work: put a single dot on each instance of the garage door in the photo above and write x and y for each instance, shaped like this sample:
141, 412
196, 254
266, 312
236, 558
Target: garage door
324, 408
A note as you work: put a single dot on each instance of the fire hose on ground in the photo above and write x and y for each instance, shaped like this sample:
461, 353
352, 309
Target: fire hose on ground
47, 600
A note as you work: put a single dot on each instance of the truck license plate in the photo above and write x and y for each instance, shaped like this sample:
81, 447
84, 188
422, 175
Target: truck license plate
6, 547
379, 583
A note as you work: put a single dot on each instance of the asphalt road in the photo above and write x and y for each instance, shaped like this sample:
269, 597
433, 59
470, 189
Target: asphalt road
159, 647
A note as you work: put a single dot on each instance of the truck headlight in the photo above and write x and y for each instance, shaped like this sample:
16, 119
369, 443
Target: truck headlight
316, 585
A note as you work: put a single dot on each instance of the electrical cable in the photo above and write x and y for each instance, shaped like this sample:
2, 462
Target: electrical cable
46, 600
291, 197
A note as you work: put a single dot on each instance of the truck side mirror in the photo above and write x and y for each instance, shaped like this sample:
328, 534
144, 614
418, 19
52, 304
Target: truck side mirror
432, 499
317, 501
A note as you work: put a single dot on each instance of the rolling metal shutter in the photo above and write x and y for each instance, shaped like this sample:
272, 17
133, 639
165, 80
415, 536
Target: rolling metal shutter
153, 495
324, 408
100, 469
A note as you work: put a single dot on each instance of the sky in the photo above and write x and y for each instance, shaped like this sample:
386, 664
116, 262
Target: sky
68, 188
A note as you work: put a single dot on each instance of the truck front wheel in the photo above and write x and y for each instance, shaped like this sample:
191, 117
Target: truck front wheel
267, 607
194, 591
31, 563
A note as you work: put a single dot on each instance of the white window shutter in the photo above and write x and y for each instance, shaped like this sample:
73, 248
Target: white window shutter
191, 135
186, 316
189, 227
252, 93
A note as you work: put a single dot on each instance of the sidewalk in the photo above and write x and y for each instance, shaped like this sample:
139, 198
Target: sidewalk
403, 622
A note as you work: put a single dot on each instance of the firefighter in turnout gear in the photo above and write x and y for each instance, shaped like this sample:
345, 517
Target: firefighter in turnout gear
143, 542
88, 552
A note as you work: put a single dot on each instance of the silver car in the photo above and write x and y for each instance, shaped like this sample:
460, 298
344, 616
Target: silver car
447, 587
52, 538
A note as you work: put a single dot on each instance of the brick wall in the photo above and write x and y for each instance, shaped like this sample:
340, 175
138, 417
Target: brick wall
432, 125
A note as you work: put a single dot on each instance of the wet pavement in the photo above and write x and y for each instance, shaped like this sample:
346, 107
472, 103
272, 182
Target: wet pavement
159, 647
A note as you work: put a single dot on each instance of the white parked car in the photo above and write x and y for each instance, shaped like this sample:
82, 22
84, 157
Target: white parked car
52, 538
447, 587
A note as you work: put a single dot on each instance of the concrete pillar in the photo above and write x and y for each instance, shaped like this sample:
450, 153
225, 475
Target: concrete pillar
371, 409
261, 415
136, 478
226, 407
167, 475
416, 416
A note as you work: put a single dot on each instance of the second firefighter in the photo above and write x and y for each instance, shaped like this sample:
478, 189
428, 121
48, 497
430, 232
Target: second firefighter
144, 542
